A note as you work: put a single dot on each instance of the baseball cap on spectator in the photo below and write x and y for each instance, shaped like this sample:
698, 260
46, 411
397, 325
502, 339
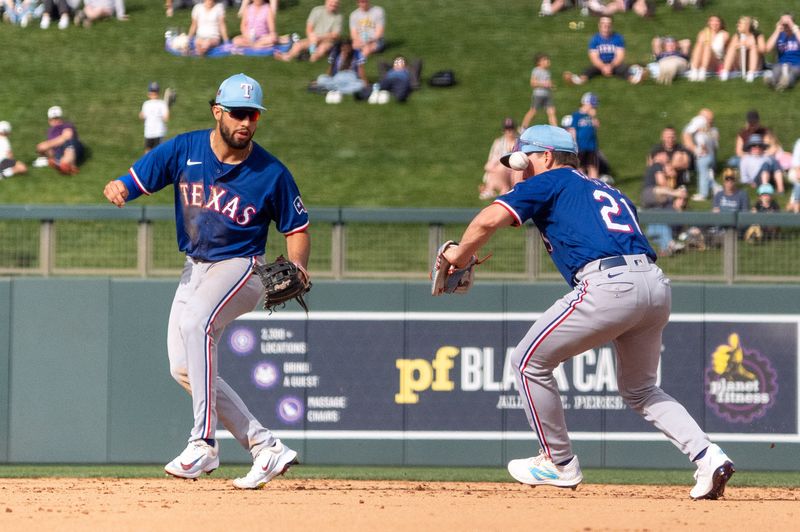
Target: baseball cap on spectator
766, 188
590, 98
54, 112
752, 117
755, 140
542, 138
240, 90
509, 123
5, 128
153, 87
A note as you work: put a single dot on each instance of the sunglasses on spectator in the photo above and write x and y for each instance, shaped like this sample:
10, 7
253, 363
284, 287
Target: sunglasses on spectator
241, 113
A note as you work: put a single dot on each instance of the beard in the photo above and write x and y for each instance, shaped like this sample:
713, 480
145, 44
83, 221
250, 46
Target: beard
230, 140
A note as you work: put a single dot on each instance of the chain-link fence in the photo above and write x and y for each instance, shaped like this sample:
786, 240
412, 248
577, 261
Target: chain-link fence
390, 243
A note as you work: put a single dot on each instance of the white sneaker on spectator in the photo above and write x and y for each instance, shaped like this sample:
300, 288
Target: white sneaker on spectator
698, 197
723, 75
26, 18
750, 77
40, 162
63, 22
701, 75
45, 22
691, 75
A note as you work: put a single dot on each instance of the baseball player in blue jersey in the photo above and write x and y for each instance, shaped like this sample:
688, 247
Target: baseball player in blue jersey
619, 295
227, 191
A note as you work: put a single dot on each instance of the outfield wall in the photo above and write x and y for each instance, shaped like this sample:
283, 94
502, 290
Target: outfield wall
382, 373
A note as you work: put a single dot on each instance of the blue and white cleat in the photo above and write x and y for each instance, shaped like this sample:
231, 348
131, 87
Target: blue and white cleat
541, 471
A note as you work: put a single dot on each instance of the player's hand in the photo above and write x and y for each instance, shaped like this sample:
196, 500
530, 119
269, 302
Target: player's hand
116, 192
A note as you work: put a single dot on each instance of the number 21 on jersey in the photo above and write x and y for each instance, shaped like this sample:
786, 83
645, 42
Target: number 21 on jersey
611, 209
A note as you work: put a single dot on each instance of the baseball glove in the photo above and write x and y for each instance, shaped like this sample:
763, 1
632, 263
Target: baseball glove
283, 280
170, 95
446, 278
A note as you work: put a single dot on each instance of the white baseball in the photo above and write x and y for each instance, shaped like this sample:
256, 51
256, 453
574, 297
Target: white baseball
518, 160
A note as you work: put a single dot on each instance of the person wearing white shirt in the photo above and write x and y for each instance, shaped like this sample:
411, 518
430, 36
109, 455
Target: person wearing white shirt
208, 26
155, 113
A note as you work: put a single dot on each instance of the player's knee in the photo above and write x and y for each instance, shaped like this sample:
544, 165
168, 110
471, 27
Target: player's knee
636, 399
180, 374
192, 323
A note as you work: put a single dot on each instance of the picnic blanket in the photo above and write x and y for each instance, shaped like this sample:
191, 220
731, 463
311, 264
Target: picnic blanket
183, 46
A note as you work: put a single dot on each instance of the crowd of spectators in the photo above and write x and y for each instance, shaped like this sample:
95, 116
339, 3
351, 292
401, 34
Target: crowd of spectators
80, 12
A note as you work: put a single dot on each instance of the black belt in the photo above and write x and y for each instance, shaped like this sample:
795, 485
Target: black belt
613, 262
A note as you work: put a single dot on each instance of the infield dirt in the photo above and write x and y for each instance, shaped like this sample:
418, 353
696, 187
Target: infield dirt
290, 504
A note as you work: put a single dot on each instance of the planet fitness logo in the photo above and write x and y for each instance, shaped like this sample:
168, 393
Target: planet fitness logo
242, 341
290, 409
265, 375
741, 384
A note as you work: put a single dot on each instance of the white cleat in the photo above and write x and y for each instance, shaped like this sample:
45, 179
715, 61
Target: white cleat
541, 471
198, 458
269, 463
714, 470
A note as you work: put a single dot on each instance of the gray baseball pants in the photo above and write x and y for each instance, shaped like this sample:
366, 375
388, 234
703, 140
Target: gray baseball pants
210, 296
627, 305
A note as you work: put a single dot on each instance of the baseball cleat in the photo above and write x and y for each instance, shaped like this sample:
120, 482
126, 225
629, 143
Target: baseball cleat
198, 458
714, 470
541, 471
268, 464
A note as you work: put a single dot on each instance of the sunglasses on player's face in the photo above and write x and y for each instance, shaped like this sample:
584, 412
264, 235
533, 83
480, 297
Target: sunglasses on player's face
242, 113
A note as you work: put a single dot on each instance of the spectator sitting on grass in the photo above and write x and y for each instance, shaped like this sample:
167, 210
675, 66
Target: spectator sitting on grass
345, 71
53, 8
672, 57
62, 150
786, 41
208, 26
794, 177
257, 27
749, 39
643, 8
8, 165
678, 156
94, 10
709, 49
367, 26
756, 167
765, 203
323, 27
702, 139
730, 198
659, 187
496, 176
607, 57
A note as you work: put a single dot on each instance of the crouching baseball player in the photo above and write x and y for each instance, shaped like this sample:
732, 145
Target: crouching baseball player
618, 295
227, 191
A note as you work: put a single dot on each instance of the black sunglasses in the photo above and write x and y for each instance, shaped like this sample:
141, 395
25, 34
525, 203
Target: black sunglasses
241, 113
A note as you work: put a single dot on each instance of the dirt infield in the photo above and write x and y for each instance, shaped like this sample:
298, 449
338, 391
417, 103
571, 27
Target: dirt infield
289, 504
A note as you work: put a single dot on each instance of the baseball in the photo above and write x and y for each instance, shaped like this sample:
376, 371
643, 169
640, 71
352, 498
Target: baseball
518, 160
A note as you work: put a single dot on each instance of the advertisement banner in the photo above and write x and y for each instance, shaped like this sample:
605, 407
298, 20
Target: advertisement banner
432, 375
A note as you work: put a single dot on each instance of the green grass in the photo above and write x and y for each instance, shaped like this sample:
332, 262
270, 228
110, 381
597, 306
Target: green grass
429, 152
421, 474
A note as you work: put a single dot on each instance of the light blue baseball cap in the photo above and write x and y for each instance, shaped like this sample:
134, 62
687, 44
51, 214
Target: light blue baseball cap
543, 138
240, 91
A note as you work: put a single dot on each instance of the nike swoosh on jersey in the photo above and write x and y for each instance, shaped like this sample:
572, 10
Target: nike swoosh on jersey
612, 275
190, 162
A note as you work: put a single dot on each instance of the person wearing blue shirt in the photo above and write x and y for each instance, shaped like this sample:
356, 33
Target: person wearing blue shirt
607, 56
584, 124
786, 41
228, 190
618, 295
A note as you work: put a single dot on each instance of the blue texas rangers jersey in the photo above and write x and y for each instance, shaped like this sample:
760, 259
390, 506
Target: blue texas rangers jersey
222, 210
580, 219
606, 47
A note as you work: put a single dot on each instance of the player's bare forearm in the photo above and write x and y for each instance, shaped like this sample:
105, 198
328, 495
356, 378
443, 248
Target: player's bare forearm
116, 192
298, 248
478, 233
